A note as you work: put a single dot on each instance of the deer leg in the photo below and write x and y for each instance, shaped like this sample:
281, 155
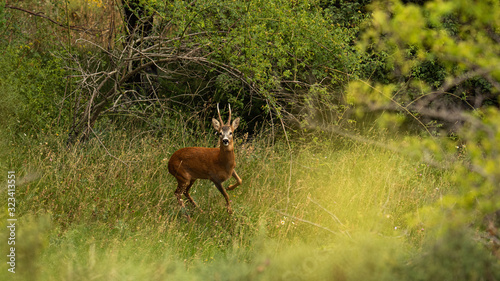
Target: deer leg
181, 188
186, 193
224, 193
238, 181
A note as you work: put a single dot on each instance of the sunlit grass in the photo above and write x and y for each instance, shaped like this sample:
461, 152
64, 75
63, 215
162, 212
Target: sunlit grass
319, 210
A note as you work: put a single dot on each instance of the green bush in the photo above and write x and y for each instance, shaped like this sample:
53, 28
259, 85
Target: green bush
32, 93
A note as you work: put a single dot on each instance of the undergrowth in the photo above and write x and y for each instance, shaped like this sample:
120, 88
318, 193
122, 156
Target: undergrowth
105, 210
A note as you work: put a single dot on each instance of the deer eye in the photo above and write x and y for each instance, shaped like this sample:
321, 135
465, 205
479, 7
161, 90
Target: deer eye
230, 133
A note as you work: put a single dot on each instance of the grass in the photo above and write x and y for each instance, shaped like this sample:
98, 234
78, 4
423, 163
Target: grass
329, 209
340, 212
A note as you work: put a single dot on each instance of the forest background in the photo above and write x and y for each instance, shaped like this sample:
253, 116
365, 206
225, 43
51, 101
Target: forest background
368, 148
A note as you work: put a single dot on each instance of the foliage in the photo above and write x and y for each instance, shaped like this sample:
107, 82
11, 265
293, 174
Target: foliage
440, 50
271, 55
346, 13
382, 205
31, 93
459, 41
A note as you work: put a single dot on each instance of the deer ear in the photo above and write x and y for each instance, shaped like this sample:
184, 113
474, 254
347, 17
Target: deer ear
236, 123
216, 124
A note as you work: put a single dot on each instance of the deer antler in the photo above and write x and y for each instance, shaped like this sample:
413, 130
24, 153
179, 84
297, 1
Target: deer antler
229, 121
220, 118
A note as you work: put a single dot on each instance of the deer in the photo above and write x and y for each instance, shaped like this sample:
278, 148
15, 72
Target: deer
216, 164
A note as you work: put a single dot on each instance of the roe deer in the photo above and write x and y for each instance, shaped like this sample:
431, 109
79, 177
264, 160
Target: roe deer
216, 164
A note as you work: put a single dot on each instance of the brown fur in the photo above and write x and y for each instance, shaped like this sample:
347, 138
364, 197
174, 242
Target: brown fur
216, 164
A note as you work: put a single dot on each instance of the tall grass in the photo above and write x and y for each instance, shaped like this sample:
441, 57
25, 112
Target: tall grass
105, 210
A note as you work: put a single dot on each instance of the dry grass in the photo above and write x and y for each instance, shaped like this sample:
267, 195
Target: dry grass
116, 218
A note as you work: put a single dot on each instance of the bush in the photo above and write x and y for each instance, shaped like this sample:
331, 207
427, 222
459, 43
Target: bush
456, 255
32, 92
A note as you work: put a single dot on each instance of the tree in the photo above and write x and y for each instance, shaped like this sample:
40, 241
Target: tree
279, 56
463, 39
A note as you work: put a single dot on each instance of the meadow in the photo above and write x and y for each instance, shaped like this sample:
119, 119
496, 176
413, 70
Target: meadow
368, 146
329, 208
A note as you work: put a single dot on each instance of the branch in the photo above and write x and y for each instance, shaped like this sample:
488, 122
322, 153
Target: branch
427, 98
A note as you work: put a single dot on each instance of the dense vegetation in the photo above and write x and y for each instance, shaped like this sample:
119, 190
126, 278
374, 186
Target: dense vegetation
369, 145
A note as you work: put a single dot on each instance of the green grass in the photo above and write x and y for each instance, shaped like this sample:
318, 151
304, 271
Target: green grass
322, 211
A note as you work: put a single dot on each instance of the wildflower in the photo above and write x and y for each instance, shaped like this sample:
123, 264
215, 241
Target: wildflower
282, 222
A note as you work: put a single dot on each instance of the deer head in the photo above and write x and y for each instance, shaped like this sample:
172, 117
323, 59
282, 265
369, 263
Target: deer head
225, 131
